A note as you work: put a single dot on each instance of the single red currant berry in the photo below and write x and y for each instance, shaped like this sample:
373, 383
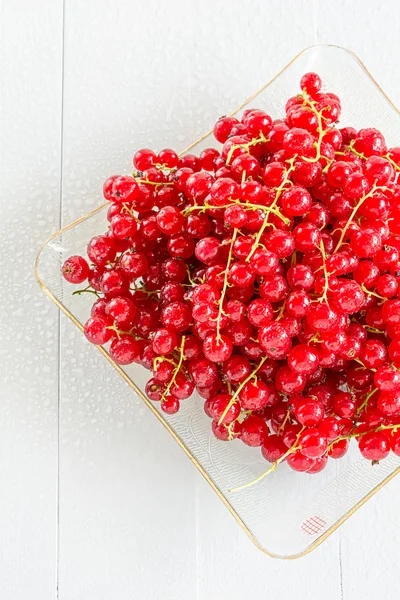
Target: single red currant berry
275, 340
168, 158
303, 359
311, 83
299, 462
308, 412
125, 350
374, 445
254, 430
236, 369
170, 220
389, 403
223, 128
177, 316
97, 330
75, 269
219, 404
122, 311
313, 443
296, 201
170, 405
338, 449
101, 249
387, 379
217, 348
273, 448
344, 405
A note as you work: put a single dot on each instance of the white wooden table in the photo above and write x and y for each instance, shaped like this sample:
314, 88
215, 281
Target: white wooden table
82, 85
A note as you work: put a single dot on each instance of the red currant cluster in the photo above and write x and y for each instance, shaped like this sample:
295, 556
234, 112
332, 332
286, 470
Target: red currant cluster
265, 275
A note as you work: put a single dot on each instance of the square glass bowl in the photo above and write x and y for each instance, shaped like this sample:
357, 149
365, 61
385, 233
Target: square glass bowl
287, 514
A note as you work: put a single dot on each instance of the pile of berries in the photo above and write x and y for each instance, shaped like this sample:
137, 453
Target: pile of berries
264, 275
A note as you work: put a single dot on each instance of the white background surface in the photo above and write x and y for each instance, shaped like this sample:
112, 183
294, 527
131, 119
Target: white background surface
81, 86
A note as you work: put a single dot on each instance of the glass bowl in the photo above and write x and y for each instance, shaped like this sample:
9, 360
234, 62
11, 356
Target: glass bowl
287, 514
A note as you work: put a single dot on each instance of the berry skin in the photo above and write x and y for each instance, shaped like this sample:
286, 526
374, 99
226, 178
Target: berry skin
164, 341
97, 330
223, 128
373, 354
296, 201
273, 448
177, 316
275, 340
308, 412
101, 249
289, 381
123, 226
387, 379
75, 269
133, 265
313, 443
339, 449
254, 395
170, 405
344, 406
395, 443
236, 369
260, 312
218, 405
389, 403
122, 311
253, 431
217, 349
170, 220
366, 243
124, 350
374, 445
299, 462
144, 159
113, 283
303, 359
311, 83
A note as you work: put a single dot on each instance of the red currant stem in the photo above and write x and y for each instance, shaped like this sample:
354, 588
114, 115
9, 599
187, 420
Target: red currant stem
394, 165
87, 290
176, 370
161, 359
225, 286
353, 214
372, 294
244, 175
362, 364
324, 297
372, 329
366, 400
272, 208
120, 332
253, 142
239, 389
361, 433
280, 311
274, 465
311, 104
315, 338
156, 183
285, 420
126, 208
231, 434
351, 148
245, 205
